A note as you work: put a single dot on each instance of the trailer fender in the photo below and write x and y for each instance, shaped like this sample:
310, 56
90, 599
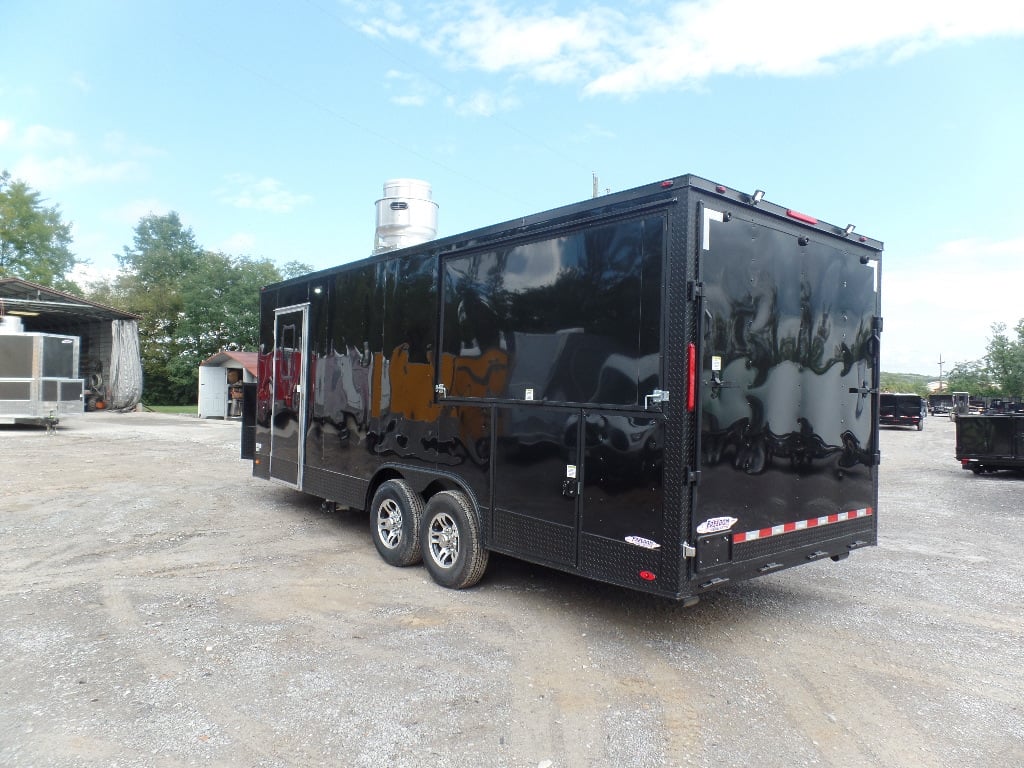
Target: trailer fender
426, 485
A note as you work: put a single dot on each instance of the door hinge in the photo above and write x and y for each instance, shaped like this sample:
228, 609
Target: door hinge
441, 390
689, 550
694, 290
692, 476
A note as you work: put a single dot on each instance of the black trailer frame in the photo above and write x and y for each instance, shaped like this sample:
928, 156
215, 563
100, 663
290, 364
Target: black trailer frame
669, 388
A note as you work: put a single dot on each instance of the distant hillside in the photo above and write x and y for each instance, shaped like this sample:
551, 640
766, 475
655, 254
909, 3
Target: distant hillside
905, 382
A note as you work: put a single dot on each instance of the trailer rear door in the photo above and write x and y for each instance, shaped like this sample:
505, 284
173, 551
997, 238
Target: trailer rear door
788, 372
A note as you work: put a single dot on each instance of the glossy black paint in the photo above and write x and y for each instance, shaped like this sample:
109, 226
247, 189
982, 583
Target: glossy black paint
518, 363
789, 359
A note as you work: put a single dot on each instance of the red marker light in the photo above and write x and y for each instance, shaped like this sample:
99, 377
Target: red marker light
801, 217
666, 184
691, 376
647, 576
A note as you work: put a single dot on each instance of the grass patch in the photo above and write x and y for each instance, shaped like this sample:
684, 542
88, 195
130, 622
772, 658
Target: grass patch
187, 409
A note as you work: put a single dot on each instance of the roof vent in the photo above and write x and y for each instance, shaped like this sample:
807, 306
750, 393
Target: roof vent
405, 215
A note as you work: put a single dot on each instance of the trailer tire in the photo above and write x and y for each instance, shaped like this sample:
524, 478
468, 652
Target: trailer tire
452, 545
396, 515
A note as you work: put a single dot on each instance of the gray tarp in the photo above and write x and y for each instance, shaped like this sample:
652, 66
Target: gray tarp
124, 389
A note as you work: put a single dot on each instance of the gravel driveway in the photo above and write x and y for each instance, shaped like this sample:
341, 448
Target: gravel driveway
159, 607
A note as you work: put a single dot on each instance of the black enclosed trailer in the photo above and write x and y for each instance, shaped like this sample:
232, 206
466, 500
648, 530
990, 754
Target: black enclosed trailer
901, 410
990, 443
940, 404
670, 388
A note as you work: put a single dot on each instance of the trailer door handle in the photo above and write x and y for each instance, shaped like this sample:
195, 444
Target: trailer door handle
656, 397
718, 384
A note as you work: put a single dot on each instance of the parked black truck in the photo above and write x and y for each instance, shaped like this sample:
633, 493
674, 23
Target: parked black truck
670, 388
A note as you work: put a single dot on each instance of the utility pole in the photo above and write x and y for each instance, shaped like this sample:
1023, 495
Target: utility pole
941, 363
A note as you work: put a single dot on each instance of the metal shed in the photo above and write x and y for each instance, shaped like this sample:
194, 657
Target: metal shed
221, 377
109, 360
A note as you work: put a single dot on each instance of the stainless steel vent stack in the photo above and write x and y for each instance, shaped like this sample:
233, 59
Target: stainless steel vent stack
405, 215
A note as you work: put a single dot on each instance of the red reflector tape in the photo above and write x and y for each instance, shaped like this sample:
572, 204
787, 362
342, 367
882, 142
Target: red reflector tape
801, 217
800, 525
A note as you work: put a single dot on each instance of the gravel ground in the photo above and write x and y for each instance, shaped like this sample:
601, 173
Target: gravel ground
159, 607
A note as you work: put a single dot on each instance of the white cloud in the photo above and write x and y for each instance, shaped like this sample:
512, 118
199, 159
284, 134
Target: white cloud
482, 104
45, 137
63, 171
792, 38
117, 143
266, 194
49, 158
947, 307
415, 89
388, 20
85, 274
240, 243
629, 48
131, 212
549, 47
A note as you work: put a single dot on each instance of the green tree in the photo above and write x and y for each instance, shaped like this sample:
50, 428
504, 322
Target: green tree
1006, 359
163, 253
35, 242
294, 269
220, 300
973, 377
193, 302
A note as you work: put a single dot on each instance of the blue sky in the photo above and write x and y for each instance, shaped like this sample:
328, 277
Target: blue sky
270, 127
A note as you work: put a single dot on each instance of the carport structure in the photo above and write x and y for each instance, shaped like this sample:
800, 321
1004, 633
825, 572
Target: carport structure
109, 359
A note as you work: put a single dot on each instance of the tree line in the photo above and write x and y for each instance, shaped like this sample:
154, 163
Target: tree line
192, 301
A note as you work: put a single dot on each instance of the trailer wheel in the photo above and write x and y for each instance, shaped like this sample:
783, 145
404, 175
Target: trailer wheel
396, 516
920, 426
452, 548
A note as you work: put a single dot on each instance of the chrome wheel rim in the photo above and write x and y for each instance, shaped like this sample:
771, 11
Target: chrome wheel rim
444, 540
389, 523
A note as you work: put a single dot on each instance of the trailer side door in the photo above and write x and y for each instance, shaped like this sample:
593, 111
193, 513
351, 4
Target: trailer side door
288, 384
